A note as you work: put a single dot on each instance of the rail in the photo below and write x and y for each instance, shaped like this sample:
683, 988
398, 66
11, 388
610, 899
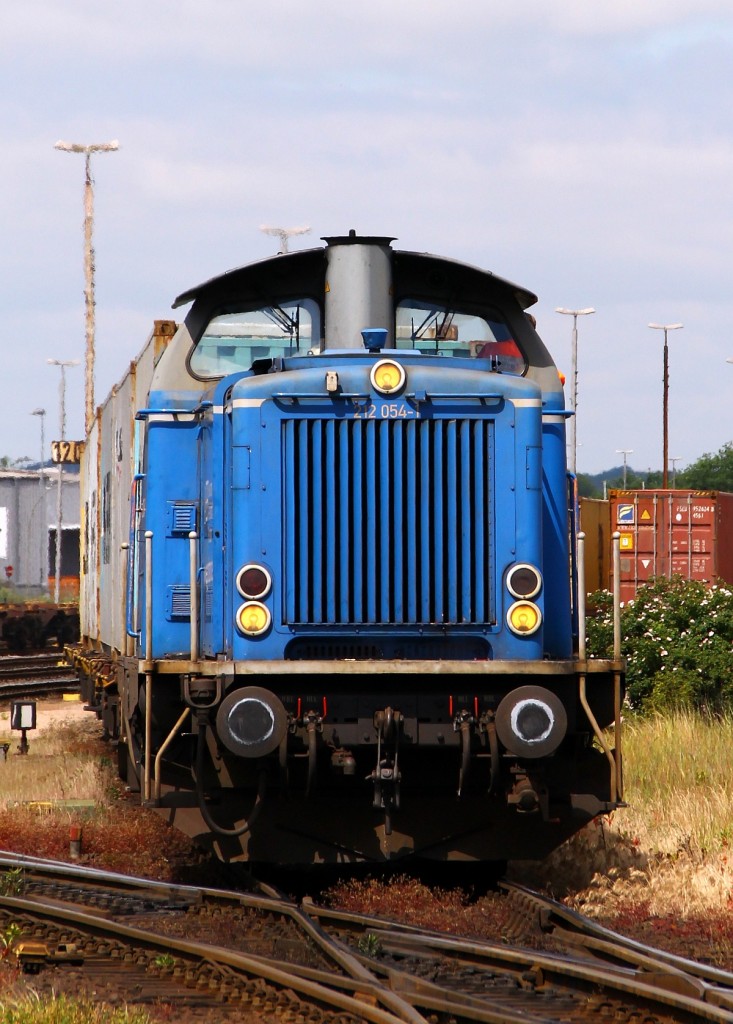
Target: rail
377, 969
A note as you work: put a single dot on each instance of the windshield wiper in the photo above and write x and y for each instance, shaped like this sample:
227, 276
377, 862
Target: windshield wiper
290, 325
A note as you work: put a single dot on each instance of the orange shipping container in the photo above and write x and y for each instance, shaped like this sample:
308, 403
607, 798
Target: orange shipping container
594, 523
672, 532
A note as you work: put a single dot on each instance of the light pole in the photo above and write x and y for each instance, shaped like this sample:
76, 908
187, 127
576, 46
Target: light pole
665, 401
574, 313
99, 147
674, 459
62, 364
283, 234
624, 452
43, 526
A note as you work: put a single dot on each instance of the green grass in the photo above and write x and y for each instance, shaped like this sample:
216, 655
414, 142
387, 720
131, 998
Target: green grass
32, 1009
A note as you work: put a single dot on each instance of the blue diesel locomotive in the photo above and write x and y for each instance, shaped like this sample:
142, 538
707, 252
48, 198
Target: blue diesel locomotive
329, 601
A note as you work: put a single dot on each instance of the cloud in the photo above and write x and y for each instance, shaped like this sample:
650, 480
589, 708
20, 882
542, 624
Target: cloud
287, 32
582, 150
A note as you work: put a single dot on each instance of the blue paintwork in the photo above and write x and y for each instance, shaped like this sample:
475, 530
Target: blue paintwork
170, 477
227, 454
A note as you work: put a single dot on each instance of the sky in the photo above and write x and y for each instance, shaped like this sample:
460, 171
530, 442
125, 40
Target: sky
582, 150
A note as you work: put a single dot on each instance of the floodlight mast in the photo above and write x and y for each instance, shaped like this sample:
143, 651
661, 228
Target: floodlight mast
98, 147
63, 365
283, 234
665, 398
574, 313
624, 452
43, 524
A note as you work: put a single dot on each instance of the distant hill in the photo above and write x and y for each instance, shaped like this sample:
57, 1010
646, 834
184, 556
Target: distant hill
595, 485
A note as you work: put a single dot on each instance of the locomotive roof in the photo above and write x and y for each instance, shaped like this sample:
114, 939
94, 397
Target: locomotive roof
304, 270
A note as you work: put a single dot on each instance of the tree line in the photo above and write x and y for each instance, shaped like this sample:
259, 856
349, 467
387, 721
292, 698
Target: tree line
711, 472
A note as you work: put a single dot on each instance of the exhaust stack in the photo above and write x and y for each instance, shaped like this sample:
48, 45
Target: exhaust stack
358, 290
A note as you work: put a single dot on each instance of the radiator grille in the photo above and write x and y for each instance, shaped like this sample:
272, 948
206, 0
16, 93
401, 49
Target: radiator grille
387, 522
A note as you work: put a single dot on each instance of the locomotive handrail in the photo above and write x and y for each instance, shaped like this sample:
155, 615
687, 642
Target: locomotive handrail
353, 396
580, 594
613, 756
320, 396
616, 540
193, 595
143, 414
163, 747
599, 736
617, 656
131, 587
148, 658
576, 556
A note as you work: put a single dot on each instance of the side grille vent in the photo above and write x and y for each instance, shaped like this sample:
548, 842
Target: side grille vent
178, 603
180, 518
387, 522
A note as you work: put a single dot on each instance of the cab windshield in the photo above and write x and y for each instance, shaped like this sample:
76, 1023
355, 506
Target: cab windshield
440, 330
233, 341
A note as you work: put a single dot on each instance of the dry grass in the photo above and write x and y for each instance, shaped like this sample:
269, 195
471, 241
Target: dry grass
68, 779
660, 869
678, 783
124, 838
63, 763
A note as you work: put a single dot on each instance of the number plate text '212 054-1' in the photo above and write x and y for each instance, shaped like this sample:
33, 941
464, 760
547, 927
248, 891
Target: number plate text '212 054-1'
384, 411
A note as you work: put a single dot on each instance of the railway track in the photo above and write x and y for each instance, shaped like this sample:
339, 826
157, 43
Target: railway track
39, 674
157, 943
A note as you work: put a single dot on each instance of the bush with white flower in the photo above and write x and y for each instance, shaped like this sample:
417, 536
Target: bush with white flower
677, 637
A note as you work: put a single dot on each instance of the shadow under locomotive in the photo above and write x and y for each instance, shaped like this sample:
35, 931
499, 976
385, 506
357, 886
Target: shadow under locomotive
384, 775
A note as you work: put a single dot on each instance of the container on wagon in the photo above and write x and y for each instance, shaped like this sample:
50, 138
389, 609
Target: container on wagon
594, 522
672, 532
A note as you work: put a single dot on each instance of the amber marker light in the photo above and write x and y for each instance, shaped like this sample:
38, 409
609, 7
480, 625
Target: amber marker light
524, 618
387, 377
253, 618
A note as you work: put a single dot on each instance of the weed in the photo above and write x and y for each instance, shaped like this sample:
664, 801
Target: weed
12, 882
164, 960
369, 945
8, 940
